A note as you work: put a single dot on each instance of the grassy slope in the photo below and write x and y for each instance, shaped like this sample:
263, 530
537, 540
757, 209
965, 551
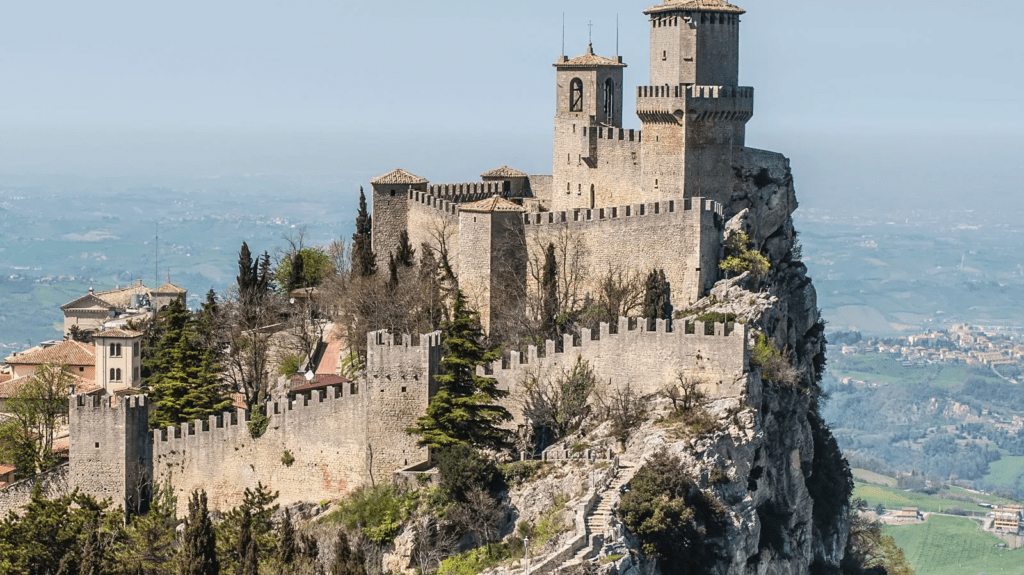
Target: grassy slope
955, 546
1006, 471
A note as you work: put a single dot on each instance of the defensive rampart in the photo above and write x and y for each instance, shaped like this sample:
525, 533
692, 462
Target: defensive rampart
630, 353
682, 237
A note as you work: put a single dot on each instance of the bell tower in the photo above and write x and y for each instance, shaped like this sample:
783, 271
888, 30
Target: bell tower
588, 100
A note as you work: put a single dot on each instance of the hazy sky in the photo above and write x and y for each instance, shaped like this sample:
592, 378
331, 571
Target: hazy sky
869, 98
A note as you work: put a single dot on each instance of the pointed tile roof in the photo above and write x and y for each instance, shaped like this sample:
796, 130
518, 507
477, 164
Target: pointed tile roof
696, 6
66, 353
492, 204
398, 177
503, 172
88, 301
169, 288
588, 60
121, 297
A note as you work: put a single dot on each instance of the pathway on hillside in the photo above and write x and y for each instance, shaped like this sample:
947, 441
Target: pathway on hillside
598, 518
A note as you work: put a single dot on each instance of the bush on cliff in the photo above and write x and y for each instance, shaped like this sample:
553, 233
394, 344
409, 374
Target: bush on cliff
741, 257
675, 521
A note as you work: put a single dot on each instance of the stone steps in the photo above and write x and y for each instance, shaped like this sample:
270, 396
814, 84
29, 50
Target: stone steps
597, 520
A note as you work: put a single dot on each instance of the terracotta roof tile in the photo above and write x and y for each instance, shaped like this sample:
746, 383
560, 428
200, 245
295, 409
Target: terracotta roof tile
125, 333
66, 353
121, 298
5, 469
503, 172
492, 204
588, 60
169, 288
9, 387
398, 177
696, 6
5, 377
319, 381
86, 302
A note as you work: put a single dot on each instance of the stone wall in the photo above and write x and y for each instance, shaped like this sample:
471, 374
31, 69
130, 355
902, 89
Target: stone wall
682, 237
634, 355
52, 484
588, 156
110, 454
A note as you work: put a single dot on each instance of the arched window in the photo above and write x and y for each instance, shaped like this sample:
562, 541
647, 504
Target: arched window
115, 350
117, 373
609, 100
576, 95
592, 196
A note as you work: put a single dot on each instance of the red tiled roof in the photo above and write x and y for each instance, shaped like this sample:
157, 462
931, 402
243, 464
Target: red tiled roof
317, 382
125, 333
5, 469
503, 172
492, 204
4, 377
696, 6
10, 387
238, 401
398, 177
64, 353
588, 60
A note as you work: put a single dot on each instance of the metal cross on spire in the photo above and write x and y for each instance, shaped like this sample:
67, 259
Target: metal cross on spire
591, 26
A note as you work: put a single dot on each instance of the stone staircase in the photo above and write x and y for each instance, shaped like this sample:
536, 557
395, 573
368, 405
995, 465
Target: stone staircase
598, 518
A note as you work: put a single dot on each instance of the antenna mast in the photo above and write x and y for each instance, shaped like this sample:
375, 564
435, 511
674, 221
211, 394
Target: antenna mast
563, 33
156, 259
616, 34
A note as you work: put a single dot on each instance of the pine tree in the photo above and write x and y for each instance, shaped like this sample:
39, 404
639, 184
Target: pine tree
549, 293
392, 273
406, 255
364, 262
245, 550
198, 552
464, 410
346, 561
249, 525
183, 376
153, 535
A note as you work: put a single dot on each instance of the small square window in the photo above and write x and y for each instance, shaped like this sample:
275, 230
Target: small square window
403, 389
81, 369
97, 445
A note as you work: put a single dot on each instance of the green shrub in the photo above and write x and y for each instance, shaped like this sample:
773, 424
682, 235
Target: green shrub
290, 365
775, 364
463, 468
674, 519
377, 511
717, 317
741, 257
258, 423
287, 459
483, 558
519, 472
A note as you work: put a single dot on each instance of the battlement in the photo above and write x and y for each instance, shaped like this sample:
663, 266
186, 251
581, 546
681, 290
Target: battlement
695, 92
128, 403
467, 191
384, 338
625, 328
623, 212
444, 205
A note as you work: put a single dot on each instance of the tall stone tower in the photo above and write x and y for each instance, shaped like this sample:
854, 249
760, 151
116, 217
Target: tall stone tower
390, 200
111, 453
492, 258
588, 98
694, 114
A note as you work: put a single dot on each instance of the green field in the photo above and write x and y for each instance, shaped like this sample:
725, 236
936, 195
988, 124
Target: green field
1006, 471
955, 546
877, 368
865, 476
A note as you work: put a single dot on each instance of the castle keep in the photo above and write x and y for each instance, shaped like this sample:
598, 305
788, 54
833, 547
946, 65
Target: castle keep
630, 200
634, 200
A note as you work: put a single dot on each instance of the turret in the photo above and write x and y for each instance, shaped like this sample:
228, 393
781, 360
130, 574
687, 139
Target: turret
391, 210
695, 42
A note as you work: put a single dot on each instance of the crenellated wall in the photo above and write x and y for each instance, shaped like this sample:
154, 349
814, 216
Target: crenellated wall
340, 438
713, 354
682, 237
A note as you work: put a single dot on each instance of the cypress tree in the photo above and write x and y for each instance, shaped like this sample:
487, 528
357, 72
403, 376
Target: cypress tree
393, 272
656, 297
295, 280
245, 550
246, 275
464, 410
198, 553
549, 293
406, 254
364, 262
286, 544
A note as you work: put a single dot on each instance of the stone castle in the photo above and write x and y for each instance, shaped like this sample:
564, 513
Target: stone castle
634, 200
